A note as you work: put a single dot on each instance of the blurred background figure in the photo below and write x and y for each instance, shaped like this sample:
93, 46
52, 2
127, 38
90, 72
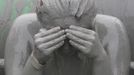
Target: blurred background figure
10, 9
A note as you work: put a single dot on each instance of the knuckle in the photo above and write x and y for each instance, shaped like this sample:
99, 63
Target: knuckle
36, 35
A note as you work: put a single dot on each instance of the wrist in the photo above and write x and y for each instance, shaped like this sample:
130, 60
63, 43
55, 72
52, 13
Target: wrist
35, 63
42, 59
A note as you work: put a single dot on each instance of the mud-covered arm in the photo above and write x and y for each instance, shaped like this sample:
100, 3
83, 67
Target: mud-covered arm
119, 50
31, 69
116, 45
19, 48
102, 63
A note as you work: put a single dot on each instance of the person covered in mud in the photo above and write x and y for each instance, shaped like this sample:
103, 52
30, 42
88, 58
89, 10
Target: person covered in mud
67, 37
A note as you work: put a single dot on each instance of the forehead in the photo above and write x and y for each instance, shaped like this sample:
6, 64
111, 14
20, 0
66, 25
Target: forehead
57, 8
65, 22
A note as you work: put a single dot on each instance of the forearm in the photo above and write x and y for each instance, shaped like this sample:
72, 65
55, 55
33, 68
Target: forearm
29, 69
102, 66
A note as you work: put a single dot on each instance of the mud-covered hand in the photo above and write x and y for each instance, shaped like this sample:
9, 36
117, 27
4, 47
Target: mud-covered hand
47, 41
86, 41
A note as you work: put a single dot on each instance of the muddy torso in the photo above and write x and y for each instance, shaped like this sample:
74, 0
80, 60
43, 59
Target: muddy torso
73, 65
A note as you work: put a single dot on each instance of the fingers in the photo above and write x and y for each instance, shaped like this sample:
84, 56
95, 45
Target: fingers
78, 46
50, 37
81, 44
84, 30
52, 43
48, 40
76, 39
81, 38
80, 34
48, 51
38, 35
44, 32
51, 49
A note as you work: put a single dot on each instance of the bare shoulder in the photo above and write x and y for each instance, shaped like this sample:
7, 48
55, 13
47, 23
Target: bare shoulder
25, 20
27, 23
19, 42
109, 26
109, 21
115, 41
112, 34
20, 28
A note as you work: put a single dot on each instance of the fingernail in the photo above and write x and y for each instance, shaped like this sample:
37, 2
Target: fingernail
58, 27
71, 26
66, 30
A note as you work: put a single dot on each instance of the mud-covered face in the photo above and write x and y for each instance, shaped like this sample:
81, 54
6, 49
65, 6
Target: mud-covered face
52, 15
64, 23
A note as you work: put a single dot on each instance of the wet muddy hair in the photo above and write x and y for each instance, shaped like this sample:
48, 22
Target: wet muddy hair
49, 9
